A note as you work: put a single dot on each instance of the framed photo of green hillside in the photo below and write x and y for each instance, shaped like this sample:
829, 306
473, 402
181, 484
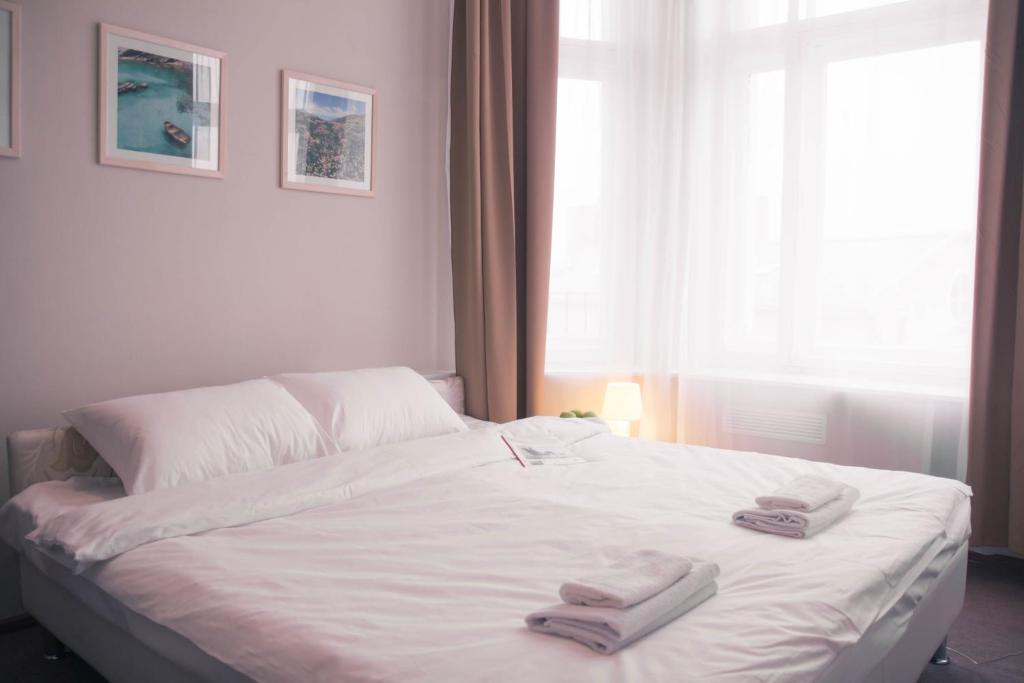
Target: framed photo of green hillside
327, 135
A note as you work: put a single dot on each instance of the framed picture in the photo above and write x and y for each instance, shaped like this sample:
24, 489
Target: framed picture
327, 135
10, 76
161, 104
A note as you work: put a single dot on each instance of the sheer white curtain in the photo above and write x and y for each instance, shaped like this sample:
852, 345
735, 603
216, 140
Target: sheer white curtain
765, 212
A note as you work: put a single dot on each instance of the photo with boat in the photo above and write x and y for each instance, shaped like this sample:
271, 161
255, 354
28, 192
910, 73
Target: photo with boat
160, 103
156, 109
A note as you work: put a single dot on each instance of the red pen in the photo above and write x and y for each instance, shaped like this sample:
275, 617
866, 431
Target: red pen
512, 449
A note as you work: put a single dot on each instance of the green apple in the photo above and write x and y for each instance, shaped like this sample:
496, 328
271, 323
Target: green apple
578, 413
567, 413
590, 413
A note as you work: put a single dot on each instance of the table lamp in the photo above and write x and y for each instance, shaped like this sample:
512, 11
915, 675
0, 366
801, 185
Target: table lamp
622, 405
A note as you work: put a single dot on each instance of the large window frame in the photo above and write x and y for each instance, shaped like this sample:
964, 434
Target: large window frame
801, 47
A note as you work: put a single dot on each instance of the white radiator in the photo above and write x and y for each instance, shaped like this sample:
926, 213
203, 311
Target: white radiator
776, 424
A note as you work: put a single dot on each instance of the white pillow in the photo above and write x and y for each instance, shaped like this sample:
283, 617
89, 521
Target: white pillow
366, 408
159, 441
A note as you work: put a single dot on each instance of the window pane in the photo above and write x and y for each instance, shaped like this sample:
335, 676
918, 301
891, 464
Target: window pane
574, 311
753, 254
581, 19
757, 13
900, 200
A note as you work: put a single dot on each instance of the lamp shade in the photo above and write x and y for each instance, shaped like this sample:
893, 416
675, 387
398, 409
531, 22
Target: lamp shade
622, 402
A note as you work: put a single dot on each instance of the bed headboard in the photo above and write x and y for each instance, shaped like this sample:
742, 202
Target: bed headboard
59, 453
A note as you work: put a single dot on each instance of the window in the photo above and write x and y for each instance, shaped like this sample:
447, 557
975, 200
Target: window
575, 314
826, 199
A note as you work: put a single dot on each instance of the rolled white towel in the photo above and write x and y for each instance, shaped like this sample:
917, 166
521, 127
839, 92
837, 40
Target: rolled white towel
607, 629
804, 493
630, 580
797, 524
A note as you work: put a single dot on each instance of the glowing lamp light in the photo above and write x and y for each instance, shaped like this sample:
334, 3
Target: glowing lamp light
622, 405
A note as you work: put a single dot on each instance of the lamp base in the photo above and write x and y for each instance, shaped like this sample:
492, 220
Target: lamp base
619, 427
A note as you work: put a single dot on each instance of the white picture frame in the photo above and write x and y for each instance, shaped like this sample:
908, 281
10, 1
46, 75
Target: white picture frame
328, 135
10, 80
161, 104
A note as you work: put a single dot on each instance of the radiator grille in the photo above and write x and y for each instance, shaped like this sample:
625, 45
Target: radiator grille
776, 424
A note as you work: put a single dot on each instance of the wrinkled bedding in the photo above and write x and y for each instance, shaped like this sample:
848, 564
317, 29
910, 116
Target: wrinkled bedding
418, 561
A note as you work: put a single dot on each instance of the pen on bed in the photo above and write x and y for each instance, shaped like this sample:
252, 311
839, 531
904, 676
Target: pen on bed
512, 449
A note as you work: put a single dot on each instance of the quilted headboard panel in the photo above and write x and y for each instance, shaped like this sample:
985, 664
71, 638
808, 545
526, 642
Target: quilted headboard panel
451, 389
58, 453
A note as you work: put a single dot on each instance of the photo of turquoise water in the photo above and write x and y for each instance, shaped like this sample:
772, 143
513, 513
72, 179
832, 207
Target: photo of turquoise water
155, 109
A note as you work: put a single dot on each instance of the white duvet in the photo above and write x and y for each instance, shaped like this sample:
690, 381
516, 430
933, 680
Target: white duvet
418, 561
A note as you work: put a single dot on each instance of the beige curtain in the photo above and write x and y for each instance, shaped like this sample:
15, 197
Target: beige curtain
503, 95
995, 467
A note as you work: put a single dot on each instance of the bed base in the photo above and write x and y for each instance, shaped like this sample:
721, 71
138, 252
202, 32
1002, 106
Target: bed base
112, 650
915, 637
907, 643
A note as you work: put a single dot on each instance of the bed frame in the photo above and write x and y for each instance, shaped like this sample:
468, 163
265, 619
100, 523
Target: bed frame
110, 649
895, 649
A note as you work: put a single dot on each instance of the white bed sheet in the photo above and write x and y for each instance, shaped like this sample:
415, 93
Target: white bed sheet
428, 577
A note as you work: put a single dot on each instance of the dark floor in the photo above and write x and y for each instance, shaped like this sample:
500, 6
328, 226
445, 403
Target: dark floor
21, 661
986, 642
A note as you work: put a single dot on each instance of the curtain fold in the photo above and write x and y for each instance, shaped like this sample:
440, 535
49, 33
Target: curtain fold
995, 467
503, 97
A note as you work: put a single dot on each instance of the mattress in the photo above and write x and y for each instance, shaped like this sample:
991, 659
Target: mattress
438, 549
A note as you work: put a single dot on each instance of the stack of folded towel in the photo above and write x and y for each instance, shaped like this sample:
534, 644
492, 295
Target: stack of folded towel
801, 508
633, 597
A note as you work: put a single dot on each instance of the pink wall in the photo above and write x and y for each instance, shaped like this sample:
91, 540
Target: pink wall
115, 281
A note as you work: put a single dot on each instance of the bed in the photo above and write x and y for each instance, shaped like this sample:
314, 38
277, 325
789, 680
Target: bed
417, 561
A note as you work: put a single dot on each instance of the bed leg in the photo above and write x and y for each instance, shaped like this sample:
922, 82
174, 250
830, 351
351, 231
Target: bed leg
53, 649
941, 657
